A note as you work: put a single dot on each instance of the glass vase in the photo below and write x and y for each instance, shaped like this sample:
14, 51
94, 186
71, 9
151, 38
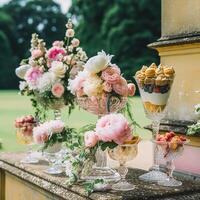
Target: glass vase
101, 106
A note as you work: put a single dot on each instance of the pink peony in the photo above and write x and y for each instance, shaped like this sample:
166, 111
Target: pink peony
113, 127
41, 138
32, 76
57, 90
111, 75
36, 53
56, 126
90, 139
121, 87
41, 133
107, 87
131, 89
55, 53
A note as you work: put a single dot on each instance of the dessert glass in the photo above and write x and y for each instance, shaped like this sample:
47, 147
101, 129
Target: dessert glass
154, 99
123, 153
102, 106
169, 152
25, 138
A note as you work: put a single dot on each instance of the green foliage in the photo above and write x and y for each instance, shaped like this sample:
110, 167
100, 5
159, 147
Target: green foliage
194, 129
122, 28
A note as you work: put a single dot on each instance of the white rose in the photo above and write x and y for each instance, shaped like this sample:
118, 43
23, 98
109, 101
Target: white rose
98, 63
92, 86
58, 68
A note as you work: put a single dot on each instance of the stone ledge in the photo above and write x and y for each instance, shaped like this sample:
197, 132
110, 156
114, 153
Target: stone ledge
56, 185
175, 40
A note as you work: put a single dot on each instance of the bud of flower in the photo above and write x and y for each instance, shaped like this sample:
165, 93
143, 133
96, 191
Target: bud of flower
75, 42
70, 33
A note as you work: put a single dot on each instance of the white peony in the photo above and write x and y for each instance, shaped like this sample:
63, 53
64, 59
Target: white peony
58, 68
46, 81
98, 63
92, 86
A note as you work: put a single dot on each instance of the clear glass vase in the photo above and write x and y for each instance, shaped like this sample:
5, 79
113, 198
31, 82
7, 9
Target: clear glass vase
101, 106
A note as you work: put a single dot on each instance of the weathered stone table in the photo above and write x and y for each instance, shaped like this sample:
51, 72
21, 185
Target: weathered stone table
29, 182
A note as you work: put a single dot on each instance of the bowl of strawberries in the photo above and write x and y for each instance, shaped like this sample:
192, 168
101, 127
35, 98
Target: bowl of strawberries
170, 146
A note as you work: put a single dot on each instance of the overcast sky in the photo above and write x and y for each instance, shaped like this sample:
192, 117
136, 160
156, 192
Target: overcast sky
65, 4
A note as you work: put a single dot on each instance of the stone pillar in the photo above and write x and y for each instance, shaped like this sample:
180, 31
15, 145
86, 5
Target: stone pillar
179, 46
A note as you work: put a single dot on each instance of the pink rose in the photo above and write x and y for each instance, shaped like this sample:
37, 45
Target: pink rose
113, 127
32, 76
57, 90
90, 139
58, 43
107, 87
75, 42
131, 89
121, 87
111, 75
55, 53
36, 53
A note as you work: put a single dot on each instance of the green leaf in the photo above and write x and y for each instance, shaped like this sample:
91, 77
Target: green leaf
110, 145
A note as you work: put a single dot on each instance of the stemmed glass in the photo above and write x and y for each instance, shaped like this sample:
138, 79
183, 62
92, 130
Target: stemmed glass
51, 154
102, 106
123, 153
169, 152
26, 139
154, 99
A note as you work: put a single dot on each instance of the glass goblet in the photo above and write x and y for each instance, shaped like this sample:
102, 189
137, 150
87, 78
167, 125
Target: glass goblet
123, 153
24, 137
51, 155
154, 99
169, 151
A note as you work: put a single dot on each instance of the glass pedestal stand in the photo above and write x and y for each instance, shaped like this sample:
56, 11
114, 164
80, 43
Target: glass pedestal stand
102, 106
100, 170
154, 173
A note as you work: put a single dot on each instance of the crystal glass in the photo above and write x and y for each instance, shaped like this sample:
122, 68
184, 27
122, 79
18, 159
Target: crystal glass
51, 154
169, 152
25, 138
154, 99
122, 154
101, 106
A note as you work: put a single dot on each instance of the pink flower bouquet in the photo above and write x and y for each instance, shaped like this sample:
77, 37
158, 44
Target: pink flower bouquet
112, 129
98, 83
47, 71
49, 133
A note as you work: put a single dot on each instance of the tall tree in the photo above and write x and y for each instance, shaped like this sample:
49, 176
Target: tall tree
122, 28
18, 20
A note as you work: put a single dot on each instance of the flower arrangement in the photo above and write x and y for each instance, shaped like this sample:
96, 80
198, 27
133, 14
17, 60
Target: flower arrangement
100, 77
195, 128
51, 132
110, 130
46, 72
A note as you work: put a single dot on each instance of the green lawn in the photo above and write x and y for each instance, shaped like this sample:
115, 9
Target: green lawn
13, 105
